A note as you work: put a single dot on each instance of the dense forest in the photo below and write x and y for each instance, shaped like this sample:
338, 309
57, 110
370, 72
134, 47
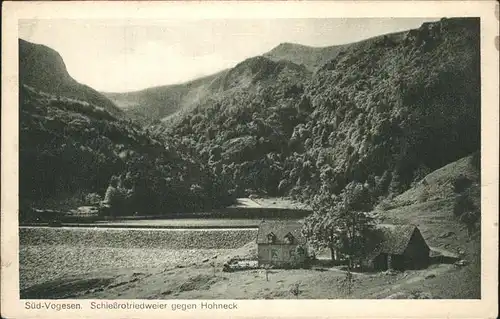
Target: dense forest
378, 114
382, 113
70, 149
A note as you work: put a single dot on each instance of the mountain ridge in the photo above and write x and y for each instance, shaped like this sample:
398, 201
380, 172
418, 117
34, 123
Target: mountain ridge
43, 68
381, 112
163, 101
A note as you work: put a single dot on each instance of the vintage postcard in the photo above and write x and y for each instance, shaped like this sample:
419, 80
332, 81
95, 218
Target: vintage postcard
250, 159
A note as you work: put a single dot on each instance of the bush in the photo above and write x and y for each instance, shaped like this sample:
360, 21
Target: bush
461, 183
466, 212
462, 204
386, 204
93, 199
424, 196
476, 160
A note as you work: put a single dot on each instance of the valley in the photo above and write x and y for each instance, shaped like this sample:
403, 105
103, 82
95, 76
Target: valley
385, 130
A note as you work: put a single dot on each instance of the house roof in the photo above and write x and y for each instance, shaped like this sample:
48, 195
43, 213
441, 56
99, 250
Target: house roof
392, 239
280, 228
395, 238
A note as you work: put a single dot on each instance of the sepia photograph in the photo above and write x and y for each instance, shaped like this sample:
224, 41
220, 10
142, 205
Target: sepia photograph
334, 158
223, 159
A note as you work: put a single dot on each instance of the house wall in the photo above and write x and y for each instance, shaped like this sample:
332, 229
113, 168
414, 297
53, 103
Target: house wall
397, 262
384, 261
377, 263
368, 264
415, 256
276, 254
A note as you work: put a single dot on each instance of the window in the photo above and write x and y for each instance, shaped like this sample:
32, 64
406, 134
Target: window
289, 238
271, 238
274, 253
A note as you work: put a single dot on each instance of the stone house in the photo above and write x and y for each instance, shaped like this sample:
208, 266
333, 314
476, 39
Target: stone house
280, 243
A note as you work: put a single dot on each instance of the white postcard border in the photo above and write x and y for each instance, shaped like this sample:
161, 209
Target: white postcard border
12, 307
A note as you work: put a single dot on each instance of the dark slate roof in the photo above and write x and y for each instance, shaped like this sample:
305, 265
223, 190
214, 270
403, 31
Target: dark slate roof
280, 228
393, 239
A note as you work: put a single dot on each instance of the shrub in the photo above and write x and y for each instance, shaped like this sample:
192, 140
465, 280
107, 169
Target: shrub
424, 196
386, 204
461, 183
476, 160
466, 212
462, 204
93, 199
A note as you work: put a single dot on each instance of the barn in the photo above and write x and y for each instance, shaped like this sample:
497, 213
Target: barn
280, 243
398, 247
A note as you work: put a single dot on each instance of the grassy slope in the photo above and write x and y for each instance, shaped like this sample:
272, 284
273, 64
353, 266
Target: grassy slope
156, 103
430, 206
198, 280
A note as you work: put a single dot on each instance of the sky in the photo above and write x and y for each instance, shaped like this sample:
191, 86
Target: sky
129, 55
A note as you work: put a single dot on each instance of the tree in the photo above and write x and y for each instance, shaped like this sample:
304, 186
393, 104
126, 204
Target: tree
466, 211
295, 290
346, 283
470, 218
462, 204
461, 183
341, 223
321, 227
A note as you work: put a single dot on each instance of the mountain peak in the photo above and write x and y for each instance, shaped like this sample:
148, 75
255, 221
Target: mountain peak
285, 45
310, 57
43, 68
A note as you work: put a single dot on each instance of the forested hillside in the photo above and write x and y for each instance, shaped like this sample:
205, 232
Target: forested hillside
69, 150
377, 115
380, 115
